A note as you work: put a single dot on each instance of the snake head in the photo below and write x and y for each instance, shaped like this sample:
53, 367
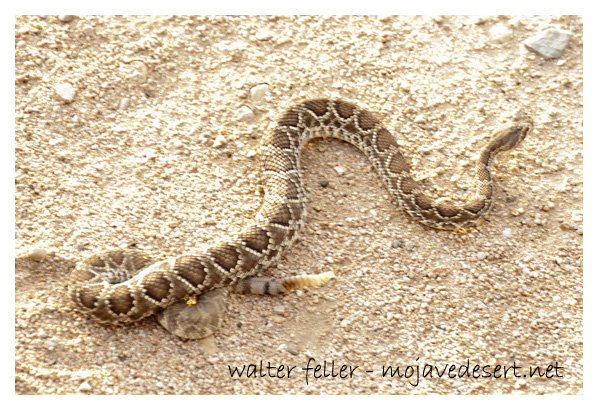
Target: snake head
512, 133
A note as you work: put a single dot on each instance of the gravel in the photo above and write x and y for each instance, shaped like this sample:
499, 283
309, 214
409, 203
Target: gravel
172, 173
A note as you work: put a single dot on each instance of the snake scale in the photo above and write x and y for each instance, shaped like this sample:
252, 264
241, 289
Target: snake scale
123, 286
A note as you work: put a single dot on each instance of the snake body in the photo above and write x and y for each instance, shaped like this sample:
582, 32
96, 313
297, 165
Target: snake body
123, 286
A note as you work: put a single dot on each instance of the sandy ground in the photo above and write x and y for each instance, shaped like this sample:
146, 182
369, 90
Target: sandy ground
143, 132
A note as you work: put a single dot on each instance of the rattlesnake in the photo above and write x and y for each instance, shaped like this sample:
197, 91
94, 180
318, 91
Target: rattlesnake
123, 286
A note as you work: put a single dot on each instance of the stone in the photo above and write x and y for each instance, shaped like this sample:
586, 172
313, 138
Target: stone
500, 33
397, 243
65, 91
258, 92
292, 349
264, 35
38, 254
244, 113
124, 103
550, 43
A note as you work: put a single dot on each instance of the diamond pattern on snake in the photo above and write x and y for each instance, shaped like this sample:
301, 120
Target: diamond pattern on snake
124, 286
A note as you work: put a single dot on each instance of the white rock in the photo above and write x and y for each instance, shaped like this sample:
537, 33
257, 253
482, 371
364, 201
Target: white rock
85, 386
64, 155
174, 145
292, 349
244, 113
219, 141
124, 103
419, 119
228, 45
481, 255
340, 170
38, 254
550, 43
500, 33
65, 91
88, 30
258, 92
515, 22
264, 35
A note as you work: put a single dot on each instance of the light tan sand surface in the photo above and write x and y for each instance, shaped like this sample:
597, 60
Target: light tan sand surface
144, 132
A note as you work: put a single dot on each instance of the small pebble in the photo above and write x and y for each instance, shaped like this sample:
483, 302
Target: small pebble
63, 155
65, 91
292, 349
515, 22
550, 43
88, 30
66, 18
324, 183
481, 255
279, 309
38, 254
500, 33
213, 360
507, 232
419, 119
208, 345
258, 92
174, 145
244, 113
124, 103
397, 243
264, 35
85, 387
340, 170
219, 141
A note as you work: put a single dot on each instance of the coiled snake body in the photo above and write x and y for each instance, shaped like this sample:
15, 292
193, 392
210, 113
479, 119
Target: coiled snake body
123, 286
